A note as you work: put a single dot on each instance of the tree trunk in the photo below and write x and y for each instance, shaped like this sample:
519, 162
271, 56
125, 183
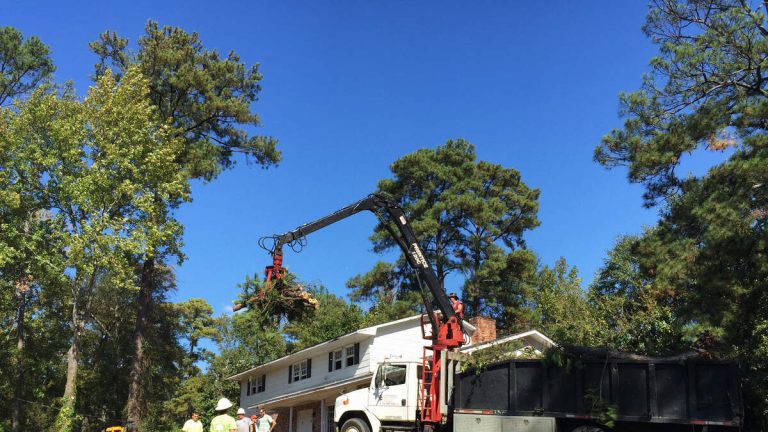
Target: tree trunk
143, 309
82, 296
22, 290
72, 360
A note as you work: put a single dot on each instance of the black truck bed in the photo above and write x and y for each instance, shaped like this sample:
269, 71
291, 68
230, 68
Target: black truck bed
689, 392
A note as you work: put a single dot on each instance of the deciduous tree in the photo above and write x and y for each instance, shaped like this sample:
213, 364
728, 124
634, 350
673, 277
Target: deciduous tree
207, 98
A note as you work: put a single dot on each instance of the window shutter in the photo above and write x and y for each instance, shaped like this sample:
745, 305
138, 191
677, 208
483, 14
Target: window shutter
309, 368
264, 382
290, 373
330, 361
357, 353
248, 390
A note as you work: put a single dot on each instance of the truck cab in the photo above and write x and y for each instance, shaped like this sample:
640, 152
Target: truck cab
389, 403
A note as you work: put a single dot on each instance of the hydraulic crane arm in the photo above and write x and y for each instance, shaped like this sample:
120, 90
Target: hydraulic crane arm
447, 332
386, 209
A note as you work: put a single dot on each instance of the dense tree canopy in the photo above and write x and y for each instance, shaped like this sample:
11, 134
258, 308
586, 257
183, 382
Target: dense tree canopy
705, 262
468, 215
24, 64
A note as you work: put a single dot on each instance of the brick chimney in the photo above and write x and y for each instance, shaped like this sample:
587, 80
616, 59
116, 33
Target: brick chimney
486, 329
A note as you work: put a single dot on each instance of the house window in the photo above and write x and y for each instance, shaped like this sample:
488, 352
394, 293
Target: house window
299, 371
336, 360
344, 357
350, 355
262, 384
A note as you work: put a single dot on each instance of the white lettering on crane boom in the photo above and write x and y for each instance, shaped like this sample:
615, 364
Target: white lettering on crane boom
418, 256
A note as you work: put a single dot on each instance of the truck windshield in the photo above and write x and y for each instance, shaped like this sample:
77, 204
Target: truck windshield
390, 375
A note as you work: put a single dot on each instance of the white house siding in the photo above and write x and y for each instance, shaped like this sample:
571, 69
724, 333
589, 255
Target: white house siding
398, 339
402, 339
277, 379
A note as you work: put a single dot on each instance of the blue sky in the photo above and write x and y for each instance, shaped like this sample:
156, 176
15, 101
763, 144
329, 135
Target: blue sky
350, 86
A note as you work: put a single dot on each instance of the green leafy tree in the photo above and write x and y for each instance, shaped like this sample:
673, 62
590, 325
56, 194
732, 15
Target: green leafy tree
382, 289
196, 323
333, 318
706, 92
561, 308
24, 64
207, 98
466, 213
105, 164
635, 314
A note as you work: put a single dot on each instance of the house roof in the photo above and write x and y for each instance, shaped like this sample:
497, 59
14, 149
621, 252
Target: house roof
533, 334
356, 336
348, 338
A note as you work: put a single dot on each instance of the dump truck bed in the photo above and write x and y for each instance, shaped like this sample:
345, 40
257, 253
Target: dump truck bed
682, 392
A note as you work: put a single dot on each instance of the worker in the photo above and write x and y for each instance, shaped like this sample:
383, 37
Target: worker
223, 422
458, 306
265, 423
193, 424
254, 417
243, 422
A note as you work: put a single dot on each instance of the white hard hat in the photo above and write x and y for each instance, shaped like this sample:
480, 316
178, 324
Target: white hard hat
223, 404
241, 411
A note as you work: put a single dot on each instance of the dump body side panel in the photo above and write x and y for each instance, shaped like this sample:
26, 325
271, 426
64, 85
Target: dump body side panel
689, 392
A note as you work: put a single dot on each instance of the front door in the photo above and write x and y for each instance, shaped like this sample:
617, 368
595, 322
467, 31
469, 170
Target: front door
388, 399
304, 421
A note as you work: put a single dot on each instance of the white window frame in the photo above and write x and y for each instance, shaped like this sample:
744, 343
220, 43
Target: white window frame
261, 384
349, 355
338, 359
300, 371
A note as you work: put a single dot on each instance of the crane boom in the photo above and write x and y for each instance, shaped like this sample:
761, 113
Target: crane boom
447, 332
385, 209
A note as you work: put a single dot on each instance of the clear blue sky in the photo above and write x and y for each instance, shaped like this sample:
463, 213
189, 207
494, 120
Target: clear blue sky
350, 86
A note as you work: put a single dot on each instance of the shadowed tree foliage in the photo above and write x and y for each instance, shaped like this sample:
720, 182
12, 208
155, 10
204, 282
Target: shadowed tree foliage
706, 91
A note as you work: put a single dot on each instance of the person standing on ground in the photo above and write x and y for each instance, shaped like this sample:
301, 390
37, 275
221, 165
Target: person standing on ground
265, 422
223, 422
243, 422
253, 423
194, 424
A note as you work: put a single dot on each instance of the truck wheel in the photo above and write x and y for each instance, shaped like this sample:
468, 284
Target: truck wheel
355, 425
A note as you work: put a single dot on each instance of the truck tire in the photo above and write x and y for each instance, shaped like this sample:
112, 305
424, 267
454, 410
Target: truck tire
355, 425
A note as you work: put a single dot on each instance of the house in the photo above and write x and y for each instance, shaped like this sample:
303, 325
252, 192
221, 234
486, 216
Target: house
301, 388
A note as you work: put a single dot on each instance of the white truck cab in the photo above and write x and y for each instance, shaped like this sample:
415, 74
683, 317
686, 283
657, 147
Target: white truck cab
389, 403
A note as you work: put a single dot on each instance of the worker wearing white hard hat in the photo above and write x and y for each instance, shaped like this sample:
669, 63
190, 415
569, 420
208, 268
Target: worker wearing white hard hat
243, 422
223, 422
